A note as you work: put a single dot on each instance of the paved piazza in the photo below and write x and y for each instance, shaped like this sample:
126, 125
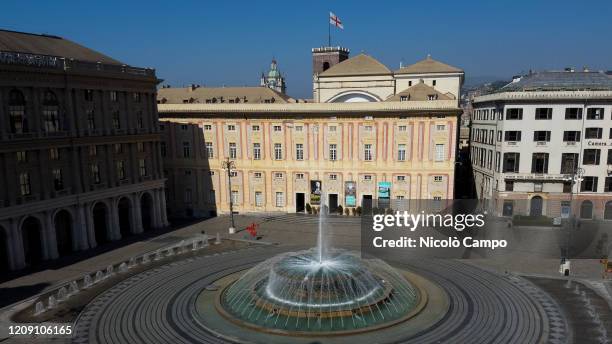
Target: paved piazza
158, 306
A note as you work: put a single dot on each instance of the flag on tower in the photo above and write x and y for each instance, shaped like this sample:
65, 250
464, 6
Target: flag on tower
335, 21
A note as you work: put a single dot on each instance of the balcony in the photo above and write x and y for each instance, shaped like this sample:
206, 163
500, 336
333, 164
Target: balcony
535, 177
61, 193
27, 199
98, 186
541, 143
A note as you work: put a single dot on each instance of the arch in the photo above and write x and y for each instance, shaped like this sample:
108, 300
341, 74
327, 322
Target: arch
586, 210
4, 251
124, 209
31, 234
354, 96
536, 204
608, 211
101, 222
146, 210
50, 114
63, 232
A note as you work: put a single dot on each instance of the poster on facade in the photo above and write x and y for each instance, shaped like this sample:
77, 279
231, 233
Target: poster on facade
384, 190
350, 193
315, 192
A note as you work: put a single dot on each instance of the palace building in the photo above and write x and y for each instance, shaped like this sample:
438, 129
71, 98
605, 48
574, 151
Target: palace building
544, 142
370, 133
79, 149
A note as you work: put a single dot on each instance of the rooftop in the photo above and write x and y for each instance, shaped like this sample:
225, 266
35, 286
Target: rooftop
202, 95
38, 44
428, 65
361, 64
561, 81
420, 91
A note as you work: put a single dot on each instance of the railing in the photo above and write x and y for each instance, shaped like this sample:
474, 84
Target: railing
62, 192
27, 199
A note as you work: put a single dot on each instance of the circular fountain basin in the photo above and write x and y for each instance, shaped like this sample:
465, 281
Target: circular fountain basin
300, 293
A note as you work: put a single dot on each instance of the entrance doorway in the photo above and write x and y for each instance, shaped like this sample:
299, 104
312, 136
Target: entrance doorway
536, 206
63, 232
333, 203
125, 224
100, 216
299, 202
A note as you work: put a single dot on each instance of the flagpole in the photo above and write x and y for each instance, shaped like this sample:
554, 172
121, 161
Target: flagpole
328, 33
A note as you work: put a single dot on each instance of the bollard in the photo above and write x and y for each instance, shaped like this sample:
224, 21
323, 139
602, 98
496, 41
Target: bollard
52, 302
87, 281
110, 270
194, 245
73, 288
170, 252
158, 255
218, 239
99, 277
39, 308
204, 240
123, 268
132, 263
62, 294
146, 259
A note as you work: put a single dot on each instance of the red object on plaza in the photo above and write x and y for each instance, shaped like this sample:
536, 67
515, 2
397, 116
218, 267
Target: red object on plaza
252, 229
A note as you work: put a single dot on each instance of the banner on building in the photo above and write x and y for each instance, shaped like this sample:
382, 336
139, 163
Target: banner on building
315, 192
384, 190
350, 191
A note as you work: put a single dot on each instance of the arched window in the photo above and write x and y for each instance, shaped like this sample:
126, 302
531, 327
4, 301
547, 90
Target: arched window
586, 210
51, 121
608, 211
17, 116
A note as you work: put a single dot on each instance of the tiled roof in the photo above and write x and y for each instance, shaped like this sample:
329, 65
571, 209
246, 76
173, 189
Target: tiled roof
560, 80
361, 64
20, 42
419, 91
428, 65
203, 95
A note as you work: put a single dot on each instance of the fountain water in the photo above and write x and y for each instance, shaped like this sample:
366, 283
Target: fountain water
320, 290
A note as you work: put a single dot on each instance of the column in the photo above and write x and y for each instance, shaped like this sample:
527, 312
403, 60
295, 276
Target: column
15, 247
164, 215
81, 228
114, 230
156, 210
48, 237
91, 233
137, 214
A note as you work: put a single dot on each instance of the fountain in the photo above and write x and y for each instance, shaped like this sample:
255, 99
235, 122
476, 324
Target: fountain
320, 290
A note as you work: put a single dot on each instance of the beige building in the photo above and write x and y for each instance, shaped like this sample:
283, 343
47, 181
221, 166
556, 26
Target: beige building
80, 160
360, 137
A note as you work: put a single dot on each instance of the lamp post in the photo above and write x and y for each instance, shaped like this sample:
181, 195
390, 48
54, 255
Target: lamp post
229, 165
574, 178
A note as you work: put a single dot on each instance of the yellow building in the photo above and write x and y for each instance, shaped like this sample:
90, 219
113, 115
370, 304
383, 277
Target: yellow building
355, 144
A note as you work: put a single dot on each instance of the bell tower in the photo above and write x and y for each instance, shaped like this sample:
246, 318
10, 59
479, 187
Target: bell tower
324, 58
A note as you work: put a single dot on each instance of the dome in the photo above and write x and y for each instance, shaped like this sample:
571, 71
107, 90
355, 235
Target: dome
298, 292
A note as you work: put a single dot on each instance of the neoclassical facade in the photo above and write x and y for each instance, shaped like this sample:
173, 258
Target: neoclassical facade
542, 146
80, 160
366, 140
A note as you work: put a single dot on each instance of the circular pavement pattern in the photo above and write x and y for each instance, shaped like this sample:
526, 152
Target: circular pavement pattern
158, 306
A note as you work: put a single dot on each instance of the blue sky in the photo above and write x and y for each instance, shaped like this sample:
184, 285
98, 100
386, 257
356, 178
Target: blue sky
232, 42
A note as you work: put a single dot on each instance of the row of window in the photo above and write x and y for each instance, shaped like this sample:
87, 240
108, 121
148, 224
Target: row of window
539, 161
588, 184
368, 155
51, 121
486, 136
299, 128
544, 113
54, 153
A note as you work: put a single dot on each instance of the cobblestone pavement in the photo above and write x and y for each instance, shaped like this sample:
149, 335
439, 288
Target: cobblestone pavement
158, 306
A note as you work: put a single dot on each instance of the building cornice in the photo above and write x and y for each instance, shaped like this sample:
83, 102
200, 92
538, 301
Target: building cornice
312, 108
544, 95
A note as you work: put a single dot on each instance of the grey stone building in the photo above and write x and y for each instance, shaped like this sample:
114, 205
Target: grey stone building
80, 160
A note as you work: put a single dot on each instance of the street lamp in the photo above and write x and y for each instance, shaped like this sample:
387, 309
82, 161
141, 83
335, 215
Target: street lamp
229, 165
573, 178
